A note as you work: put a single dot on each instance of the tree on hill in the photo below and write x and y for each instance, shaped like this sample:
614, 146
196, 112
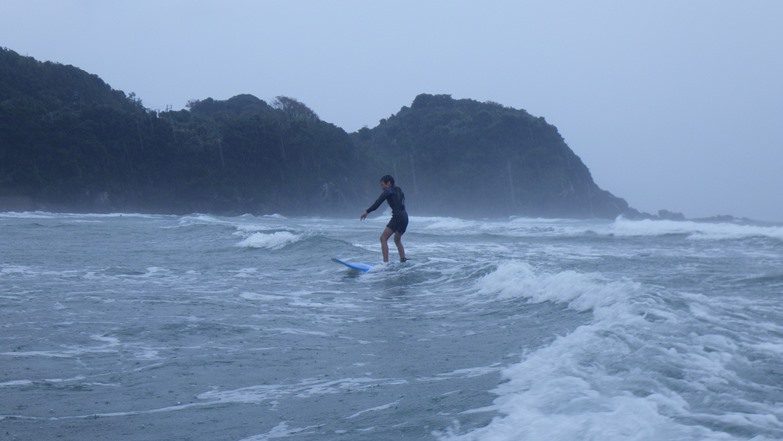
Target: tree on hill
68, 141
483, 159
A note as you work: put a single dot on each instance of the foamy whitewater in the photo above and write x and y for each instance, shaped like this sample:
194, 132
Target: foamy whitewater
142, 327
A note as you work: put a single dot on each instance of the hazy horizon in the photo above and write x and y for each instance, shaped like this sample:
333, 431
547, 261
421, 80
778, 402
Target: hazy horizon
671, 105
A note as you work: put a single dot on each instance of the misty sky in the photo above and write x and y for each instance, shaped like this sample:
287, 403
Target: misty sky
672, 104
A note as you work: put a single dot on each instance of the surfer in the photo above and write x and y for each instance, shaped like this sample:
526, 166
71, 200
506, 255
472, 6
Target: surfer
399, 220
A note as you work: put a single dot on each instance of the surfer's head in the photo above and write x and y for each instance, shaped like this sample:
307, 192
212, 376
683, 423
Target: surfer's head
387, 179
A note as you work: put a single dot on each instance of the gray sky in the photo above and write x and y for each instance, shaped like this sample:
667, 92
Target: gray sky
674, 104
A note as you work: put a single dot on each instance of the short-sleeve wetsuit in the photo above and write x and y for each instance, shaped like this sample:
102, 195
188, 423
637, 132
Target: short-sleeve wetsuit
396, 199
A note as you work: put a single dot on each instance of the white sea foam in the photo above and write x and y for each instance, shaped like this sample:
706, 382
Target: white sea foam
270, 241
621, 227
155, 271
306, 388
110, 341
694, 230
246, 273
15, 269
28, 215
512, 227
579, 291
115, 215
561, 392
16, 383
109, 346
204, 219
635, 372
295, 331
207, 218
274, 216
282, 431
466, 373
261, 297
650, 360
264, 227
374, 409
48, 354
447, 225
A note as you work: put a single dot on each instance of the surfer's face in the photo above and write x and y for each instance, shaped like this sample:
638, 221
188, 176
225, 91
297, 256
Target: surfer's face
385, 185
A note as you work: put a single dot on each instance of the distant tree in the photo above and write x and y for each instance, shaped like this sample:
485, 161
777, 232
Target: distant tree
295, 109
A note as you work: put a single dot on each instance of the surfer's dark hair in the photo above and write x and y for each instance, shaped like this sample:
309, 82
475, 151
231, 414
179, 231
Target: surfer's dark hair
387, 178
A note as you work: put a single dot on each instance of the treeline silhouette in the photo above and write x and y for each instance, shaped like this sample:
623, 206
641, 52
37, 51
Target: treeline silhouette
69, 142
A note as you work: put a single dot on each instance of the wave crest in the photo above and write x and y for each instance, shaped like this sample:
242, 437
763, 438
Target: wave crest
270, 241
580, 291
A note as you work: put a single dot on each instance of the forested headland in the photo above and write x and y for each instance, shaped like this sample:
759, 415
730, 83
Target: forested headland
69, 142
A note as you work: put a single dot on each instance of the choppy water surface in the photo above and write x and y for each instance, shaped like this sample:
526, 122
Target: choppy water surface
135, 327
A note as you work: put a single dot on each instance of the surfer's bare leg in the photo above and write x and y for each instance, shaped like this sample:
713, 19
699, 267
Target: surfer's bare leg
384, 243
400, 248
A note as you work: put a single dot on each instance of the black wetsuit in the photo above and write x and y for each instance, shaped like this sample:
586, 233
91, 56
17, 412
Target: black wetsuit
396, 199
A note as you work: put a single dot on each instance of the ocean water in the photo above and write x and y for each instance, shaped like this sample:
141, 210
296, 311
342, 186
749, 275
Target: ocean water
145, 327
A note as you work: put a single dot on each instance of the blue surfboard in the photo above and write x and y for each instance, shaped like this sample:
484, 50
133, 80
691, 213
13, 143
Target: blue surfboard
360, 266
